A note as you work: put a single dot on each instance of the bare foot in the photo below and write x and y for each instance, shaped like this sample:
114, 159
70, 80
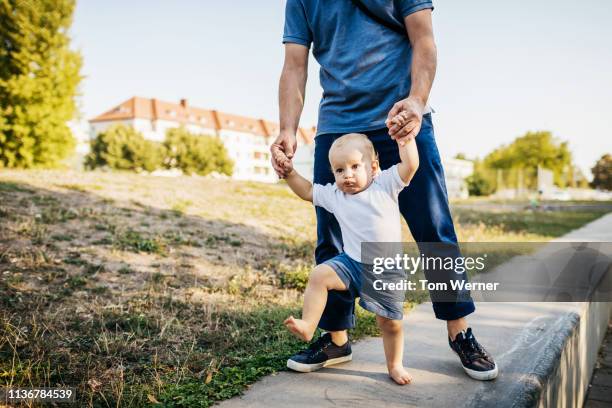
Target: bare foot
299, 327
400, 375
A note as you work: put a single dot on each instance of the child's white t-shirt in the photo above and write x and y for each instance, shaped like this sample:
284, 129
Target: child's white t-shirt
371, 215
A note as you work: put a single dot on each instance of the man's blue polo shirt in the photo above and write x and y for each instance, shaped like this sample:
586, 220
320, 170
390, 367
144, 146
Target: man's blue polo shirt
365, 66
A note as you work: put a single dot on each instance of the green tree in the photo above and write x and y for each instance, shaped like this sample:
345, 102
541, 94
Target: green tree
123, 148
482, 181
530, 151
39, 76
198, 154
602, 173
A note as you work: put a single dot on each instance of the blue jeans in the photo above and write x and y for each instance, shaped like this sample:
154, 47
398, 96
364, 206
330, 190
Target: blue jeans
423, 204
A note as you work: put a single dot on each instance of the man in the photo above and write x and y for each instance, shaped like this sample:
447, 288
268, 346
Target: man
370, 73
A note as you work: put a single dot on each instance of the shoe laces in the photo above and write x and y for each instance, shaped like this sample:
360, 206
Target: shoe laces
317, 346
472, 349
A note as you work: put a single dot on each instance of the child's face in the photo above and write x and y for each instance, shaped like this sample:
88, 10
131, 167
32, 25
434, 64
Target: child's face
353, 170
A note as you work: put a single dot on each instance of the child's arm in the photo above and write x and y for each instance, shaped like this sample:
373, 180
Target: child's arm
408, 152
299, 185
410, 160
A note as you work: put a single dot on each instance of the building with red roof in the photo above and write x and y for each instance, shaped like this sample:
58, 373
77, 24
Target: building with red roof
246, 139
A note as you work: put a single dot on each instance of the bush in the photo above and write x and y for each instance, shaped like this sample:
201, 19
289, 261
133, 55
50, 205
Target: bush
478, 185
295, 278
602, 173
196, 153
123, 148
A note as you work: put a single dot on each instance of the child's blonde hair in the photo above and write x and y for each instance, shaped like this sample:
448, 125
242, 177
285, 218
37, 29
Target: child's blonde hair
363, 143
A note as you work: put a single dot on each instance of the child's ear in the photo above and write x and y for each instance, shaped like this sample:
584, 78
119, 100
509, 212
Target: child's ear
375, 166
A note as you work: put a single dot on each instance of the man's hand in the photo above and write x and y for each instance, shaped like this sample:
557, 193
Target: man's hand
282, 151
404, 119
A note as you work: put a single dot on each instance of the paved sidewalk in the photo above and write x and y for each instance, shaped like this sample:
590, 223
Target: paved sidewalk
522, 337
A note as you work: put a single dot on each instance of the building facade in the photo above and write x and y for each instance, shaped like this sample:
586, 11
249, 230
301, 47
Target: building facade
247, 140
455, 173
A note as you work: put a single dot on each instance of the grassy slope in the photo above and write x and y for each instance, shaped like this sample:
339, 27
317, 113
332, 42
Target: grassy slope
137, 289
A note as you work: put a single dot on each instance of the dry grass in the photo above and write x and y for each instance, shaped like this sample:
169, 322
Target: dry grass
137, 289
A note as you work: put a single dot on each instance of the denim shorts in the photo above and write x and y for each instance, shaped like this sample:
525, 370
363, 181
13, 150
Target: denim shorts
351, 273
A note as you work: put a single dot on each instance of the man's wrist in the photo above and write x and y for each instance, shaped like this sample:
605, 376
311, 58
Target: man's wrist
288, 131
419, 99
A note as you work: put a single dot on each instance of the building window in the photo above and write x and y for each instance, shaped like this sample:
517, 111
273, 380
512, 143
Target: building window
261, 155
261, 170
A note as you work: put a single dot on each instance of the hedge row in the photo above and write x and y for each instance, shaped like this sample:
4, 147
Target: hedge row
124, 148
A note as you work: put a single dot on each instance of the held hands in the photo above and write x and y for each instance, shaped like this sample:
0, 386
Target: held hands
282, 151
404, 120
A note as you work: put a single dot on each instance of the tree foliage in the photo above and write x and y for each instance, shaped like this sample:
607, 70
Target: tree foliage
480, 183
198, 154
530, 151
123, 148
602, 173
39, 76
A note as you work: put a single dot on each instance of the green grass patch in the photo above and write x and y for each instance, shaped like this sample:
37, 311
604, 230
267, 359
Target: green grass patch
213, 241
62, 237
75, 282
543, 223
295, 277
10, 187
54, 214
131, 240
125, 270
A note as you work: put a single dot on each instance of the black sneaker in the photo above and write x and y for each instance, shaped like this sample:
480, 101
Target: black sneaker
322, 353
474, 358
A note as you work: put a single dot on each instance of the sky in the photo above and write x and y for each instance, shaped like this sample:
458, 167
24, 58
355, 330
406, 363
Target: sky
504, 68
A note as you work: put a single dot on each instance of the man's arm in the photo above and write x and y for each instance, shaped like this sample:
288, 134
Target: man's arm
422, 73
410, 160
291, 89
299, 185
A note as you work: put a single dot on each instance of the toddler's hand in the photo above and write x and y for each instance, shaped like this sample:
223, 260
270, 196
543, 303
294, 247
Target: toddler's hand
281, 158
399, 120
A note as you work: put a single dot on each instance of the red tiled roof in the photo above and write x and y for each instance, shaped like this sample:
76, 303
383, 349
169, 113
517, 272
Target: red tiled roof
154, 109
228, 121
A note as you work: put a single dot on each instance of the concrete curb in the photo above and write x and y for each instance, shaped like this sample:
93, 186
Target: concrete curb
569, 373
560, 370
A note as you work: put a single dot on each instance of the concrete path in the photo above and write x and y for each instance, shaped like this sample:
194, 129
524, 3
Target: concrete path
544, 351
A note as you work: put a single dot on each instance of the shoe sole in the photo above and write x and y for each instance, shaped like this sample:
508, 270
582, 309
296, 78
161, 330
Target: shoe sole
480, 375
308, 368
